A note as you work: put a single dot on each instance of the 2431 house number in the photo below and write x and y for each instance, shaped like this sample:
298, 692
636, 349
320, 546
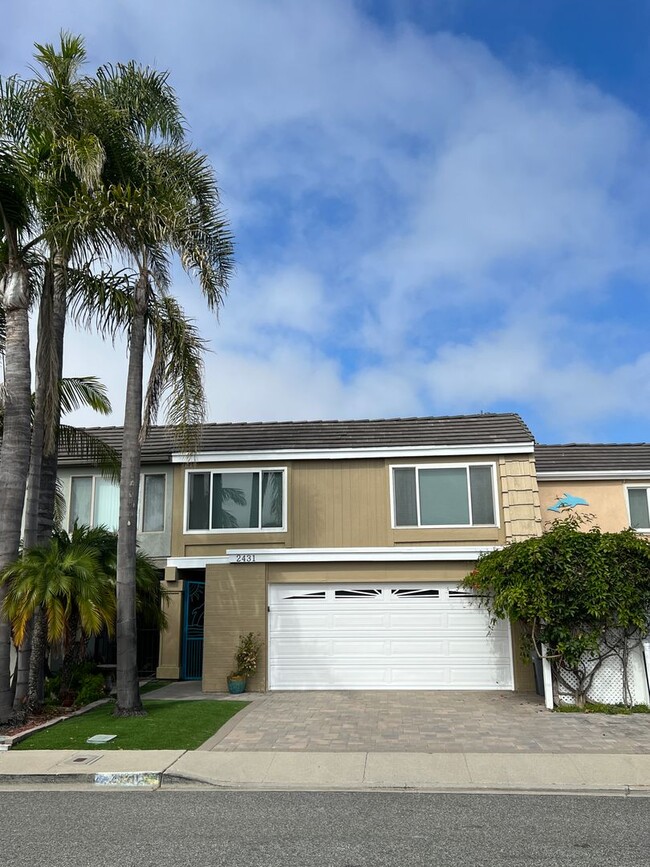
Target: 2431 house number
244, 558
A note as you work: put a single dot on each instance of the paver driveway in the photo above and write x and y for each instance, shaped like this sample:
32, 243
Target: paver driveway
491, 722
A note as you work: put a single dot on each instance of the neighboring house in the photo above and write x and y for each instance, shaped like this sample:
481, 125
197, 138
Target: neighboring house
611, 484
613, 479
92, 499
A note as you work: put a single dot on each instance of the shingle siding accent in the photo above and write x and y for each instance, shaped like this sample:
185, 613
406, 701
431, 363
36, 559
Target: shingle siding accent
519, 499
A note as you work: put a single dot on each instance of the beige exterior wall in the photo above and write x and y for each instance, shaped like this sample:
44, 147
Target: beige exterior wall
346, 504
235, 603
607, 501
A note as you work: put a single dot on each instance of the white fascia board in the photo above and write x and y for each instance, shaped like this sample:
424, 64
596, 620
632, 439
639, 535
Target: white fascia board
346, 555
337, 555
196, 562
353, 454
596, 476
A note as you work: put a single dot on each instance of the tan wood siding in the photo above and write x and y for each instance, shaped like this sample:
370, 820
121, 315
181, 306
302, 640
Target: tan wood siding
383, 573
339, 504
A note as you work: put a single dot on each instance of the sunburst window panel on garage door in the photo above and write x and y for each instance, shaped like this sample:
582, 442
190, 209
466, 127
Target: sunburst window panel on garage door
388, 636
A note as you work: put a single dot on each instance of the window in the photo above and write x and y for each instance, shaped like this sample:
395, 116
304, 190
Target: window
95, 501
235, 500
153, 503
455, 496
637, 499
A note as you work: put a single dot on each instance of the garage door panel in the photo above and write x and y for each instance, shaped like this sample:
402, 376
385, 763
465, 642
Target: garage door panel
376, 638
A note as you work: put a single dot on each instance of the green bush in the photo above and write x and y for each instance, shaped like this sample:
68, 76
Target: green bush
85, 686
91, 690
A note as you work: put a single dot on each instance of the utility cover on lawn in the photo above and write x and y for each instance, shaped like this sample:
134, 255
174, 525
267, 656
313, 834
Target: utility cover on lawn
101, 739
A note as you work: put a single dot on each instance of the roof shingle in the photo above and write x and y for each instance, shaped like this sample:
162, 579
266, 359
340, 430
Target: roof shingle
585, 457
483, 429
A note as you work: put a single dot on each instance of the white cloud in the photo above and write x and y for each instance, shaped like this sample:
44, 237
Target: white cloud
397, 197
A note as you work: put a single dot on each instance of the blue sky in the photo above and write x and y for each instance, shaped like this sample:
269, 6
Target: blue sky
439, 207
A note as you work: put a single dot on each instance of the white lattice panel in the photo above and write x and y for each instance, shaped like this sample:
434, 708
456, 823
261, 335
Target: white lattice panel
607, 686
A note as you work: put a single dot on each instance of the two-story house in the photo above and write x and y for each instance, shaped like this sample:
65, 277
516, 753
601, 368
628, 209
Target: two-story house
343, 543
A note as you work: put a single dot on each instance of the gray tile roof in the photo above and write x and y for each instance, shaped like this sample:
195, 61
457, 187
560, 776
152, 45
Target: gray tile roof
584, 457
483, 429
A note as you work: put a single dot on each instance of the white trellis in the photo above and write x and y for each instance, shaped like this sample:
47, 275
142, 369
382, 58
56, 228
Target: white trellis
608, 684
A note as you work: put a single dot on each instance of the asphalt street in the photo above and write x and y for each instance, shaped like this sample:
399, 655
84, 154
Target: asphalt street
293, 829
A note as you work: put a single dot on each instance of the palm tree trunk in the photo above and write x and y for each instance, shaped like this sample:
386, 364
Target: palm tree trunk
14, 454
36, 685
128, 692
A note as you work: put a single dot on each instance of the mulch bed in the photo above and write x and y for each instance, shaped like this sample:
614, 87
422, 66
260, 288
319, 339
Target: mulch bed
18, 726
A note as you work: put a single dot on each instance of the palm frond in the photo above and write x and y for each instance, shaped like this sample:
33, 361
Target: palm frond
176, 378
79, 443
84, 391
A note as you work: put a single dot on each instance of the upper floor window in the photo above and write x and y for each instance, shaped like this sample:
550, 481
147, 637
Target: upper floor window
444, 496
637, 499
95, 501
236, 500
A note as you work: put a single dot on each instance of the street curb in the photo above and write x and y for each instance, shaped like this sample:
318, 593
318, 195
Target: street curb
121, 779
180, 780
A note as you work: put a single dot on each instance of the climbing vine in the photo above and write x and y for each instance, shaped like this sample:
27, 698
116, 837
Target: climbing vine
581, 593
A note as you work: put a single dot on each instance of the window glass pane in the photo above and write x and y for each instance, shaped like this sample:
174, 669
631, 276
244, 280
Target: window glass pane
107, 504
198, 511
80, 497
480, 482
272, 499
639, 507
443, 496
404, 493
235, 500
153, 504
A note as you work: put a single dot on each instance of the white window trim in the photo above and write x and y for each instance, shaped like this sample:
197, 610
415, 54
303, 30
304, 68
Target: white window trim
465, 466
228, 530
645, 488
141, 505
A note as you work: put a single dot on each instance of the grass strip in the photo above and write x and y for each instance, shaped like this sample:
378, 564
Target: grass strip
169, 725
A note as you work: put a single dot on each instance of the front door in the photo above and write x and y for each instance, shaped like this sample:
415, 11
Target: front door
193, 610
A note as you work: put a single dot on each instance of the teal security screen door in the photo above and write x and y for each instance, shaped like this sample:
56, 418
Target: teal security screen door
193, 611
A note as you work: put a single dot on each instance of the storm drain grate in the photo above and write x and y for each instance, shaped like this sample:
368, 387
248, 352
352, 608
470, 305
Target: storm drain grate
81, 760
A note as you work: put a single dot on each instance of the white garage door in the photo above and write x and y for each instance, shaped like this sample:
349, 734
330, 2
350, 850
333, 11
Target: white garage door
384, 636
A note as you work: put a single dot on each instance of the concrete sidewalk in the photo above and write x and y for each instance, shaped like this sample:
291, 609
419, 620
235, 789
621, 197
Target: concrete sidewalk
360, 771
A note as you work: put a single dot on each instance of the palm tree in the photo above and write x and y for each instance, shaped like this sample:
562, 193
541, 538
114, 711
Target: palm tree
46, 151
166, 203
73, 579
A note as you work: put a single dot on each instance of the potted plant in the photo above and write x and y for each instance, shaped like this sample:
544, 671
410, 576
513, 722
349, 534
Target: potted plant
246, 658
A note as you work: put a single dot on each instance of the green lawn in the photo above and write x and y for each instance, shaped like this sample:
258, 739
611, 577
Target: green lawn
169, 725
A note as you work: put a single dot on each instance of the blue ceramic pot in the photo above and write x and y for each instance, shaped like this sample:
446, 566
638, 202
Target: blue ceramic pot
236, 685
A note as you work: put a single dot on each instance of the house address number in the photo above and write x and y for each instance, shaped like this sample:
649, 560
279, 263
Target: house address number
244, 558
